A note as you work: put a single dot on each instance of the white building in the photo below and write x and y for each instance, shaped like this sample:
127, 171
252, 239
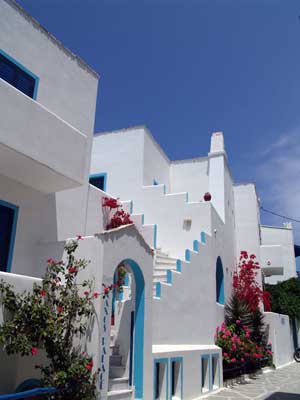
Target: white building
180, 253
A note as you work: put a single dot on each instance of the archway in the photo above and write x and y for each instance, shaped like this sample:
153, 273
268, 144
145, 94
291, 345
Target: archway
135, 316
220, 298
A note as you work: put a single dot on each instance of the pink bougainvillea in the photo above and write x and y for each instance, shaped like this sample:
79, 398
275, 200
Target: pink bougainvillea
114, 215
245, 284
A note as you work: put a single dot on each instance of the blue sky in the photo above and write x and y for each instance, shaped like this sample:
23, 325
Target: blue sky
186, 68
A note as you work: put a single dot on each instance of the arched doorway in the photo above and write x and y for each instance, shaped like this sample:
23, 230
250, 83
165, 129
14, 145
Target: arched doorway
220, 298
128, 310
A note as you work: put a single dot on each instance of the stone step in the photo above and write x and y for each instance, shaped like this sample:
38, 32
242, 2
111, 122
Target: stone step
120, 394
159, 266
116, 371
114, 350
159, 252
118, 384
160, 278
115, 360
165, 260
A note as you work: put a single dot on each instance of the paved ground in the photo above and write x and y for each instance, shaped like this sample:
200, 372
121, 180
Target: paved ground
281, 384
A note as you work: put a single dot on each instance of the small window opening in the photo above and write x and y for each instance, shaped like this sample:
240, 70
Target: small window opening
205, 374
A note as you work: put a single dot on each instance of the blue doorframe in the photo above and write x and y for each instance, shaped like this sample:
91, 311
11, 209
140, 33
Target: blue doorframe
138, 334
8, 228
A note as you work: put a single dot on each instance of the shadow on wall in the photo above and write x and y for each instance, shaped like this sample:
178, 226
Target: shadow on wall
283, 396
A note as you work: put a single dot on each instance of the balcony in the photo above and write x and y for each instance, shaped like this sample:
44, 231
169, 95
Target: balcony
37, 148
271, 258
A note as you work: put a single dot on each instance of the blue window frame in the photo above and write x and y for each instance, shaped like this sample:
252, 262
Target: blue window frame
17, 75
220, 297
161, 378
99, 180
8, 226
205, 372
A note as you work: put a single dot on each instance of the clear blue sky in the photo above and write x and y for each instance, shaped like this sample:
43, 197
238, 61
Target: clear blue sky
186, 68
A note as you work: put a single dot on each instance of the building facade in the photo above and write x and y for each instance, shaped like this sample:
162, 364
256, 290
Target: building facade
157, 339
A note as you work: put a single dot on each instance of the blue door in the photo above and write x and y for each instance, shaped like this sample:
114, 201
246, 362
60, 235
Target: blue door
8, 222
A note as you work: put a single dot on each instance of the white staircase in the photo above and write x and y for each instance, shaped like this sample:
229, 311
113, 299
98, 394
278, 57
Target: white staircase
118, 384
162, 264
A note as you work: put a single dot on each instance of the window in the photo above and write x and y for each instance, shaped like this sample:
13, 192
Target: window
99, 180
8, 222
205, 373
219, 282
176, 378
18, 76
161, 379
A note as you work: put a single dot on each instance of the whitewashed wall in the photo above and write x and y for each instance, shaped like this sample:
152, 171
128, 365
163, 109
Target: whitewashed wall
190, 176
67, 88
282, 236
156, 163
280, 337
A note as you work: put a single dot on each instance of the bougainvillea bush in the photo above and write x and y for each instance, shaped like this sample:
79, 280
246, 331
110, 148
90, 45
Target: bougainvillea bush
243, 338
51, 318
239, 348
114, 215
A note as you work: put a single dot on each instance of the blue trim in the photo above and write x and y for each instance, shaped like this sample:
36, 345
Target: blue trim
155, 236
131, 206
206, 356
28, 382
131, 346
177, 359
155, 182
186, 197
203, 237
35, 77
158, 289
161, 361
169, 276
29, 393
138, 353
101, 175
13, 232
165, 190
143, 219
178, 265
195, 245
187, 255
217, 356
220, 296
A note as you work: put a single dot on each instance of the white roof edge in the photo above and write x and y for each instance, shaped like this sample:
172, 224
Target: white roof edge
277, 227
59, 44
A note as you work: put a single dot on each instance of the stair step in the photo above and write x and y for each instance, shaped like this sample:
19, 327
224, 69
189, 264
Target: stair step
162, 278
116, 371
115, 360
120, 394
159, 252
158, 267
165, 260
114, 349
118, 384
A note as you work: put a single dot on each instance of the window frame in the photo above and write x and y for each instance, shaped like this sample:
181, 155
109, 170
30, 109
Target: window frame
99, 175
25, 70
13, 233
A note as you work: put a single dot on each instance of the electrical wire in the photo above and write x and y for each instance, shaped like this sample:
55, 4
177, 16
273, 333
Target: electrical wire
279, 215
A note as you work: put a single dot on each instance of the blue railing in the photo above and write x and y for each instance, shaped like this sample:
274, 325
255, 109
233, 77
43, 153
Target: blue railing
31, 393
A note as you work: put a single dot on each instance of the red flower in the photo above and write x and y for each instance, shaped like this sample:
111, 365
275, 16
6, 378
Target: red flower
106, 290
86, 293
72, 270
43, 292
95, 295
79, 237
50, 261
34, 351
60, 308
89, 365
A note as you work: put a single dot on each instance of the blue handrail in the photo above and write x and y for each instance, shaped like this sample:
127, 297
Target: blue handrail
30, 393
